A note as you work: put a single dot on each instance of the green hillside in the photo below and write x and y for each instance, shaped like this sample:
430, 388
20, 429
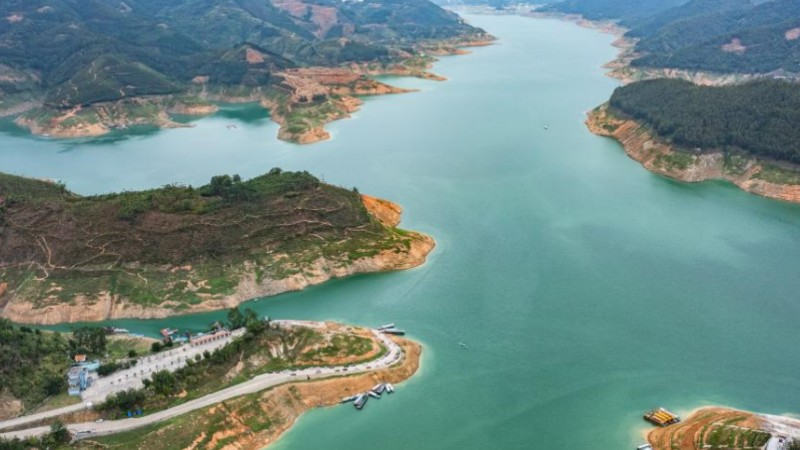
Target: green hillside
32, 364
726, 36
78, 52
622, 10
179, 246
757, 118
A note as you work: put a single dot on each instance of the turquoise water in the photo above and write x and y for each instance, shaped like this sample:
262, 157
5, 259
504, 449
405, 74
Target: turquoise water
587, 288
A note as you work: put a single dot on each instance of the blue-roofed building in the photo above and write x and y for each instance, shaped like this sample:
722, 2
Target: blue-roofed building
77, 380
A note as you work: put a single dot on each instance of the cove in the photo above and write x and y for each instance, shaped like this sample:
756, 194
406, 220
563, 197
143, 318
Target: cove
587, 288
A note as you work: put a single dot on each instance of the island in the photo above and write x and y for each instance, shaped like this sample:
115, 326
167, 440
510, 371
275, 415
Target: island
157, 63
179, 249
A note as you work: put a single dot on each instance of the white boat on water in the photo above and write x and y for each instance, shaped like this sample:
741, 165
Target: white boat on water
361, 401
389, 388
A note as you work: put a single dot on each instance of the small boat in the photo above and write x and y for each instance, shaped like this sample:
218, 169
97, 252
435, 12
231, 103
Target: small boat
394, 331
374, 394
386, 327
360, 401
349, 399
168, 332
379, 388
547, 127
463, 345
389, 388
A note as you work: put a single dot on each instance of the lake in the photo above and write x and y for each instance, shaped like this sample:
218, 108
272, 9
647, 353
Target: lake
588, 289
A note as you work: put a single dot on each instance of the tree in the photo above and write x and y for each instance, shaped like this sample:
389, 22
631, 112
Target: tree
794, 445
59, 432
235, 318
132, 354
89, 340
164, 383
156, 347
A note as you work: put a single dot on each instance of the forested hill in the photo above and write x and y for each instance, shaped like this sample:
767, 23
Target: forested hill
85, 51
621, 10
725, 36
722, 36
759, 118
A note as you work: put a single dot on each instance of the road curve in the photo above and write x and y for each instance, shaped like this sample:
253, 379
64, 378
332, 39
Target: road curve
256, 384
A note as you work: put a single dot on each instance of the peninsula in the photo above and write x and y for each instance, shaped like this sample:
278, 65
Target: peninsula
146, 62
266, 372
179, 249
717, 427
709, 88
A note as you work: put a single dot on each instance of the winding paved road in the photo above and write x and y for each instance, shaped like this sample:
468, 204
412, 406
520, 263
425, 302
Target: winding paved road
256, 384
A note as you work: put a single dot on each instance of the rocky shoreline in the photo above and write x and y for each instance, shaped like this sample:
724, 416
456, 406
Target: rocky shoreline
654, 153
659, 156
106, 307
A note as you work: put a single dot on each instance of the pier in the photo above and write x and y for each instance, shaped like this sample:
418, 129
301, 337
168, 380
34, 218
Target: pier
661, 417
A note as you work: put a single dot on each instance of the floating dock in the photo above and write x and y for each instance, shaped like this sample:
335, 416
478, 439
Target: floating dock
394, 331
661, 417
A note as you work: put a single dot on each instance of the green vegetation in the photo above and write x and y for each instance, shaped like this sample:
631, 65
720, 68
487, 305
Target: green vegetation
197, 428
58, 437
33, 364
756, 118
775, 174
720, 36
624, 10
730, 436
121, 347
696, 36
263, 348
91, 340
178, 245
83, 52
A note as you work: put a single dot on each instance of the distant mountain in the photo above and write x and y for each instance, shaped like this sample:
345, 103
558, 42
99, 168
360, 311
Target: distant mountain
723, 36
621, 10
79, 52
